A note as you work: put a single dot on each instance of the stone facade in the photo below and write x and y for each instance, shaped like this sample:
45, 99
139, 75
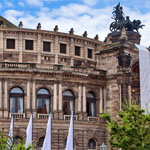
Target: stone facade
95, 70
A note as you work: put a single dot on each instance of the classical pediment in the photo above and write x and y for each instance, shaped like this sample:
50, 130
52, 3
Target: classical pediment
5, 23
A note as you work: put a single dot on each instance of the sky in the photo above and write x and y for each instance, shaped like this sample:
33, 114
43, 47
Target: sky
93, 16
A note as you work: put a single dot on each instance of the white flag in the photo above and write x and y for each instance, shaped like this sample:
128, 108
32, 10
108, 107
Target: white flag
11, 133
144, 58
29, 133
70, 138
47, 141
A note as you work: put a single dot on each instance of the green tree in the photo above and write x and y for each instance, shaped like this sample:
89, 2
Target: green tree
5, 145
130, 130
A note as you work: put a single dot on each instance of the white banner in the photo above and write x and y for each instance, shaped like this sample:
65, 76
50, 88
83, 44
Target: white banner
29, 133
47, 141
144, 60
70, 138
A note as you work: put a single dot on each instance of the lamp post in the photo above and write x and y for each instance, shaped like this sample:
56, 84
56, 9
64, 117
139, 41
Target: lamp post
103, 147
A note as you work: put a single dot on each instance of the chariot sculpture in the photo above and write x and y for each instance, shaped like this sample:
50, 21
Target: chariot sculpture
121, 21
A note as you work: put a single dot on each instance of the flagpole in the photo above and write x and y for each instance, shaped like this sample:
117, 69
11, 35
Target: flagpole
73, 125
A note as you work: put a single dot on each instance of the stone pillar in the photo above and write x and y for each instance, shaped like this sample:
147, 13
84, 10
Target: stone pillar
5, 99
71, 52
129, 94
28, 99
20, 47
105, 100
79, 98
56, 45
1, 99
60, 101
33, 99
120, 96
1, 41
84, 103
39, 48
101, 100
55, 97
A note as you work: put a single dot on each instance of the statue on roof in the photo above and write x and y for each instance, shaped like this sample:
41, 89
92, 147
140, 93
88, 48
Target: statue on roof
121, 21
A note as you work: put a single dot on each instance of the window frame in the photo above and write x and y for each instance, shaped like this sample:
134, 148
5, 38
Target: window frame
90, 53
8, 46
89, 102
44, 46
43, 97
16, 96
67, 101
77, 50
61, 50
27, 47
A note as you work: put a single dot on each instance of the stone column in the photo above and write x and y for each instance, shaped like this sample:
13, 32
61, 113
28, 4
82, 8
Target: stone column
33, 99
129, 94
60, 97
1, 99
5, 99
20, 47
84, 99
56, 45
1, 41
101, 100
39, 48
120, 96
55, 102
79, 98
71, 52
28, 95
105, 100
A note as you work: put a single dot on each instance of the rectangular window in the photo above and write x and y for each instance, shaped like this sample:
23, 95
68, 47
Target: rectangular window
63, 48
77, 51
29, 44
90, 53
10, 44
46, 46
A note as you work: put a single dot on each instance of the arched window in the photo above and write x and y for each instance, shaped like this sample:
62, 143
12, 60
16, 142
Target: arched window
43, 101
68, 101
91, 103
16, 100
17, 140
40, 142
91, 144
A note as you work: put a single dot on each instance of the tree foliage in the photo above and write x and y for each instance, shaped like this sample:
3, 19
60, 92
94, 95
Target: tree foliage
5, 144
130, 130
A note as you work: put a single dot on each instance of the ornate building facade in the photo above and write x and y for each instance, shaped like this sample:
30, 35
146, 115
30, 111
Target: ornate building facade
49, 71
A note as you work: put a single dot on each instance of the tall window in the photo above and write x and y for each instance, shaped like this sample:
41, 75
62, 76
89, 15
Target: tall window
40, 142
91, 144
16, 100
63, 48
90, 55
43, 101
46, 46
77, 51
91, 104
68, 101
29, 44
10, 44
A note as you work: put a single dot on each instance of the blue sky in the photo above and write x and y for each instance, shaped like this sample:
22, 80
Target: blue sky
93, 16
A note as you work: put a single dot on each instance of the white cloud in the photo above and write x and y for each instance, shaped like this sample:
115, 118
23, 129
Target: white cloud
80, 17
21, 4
9, 4
90, 2
0, 5
38, 3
